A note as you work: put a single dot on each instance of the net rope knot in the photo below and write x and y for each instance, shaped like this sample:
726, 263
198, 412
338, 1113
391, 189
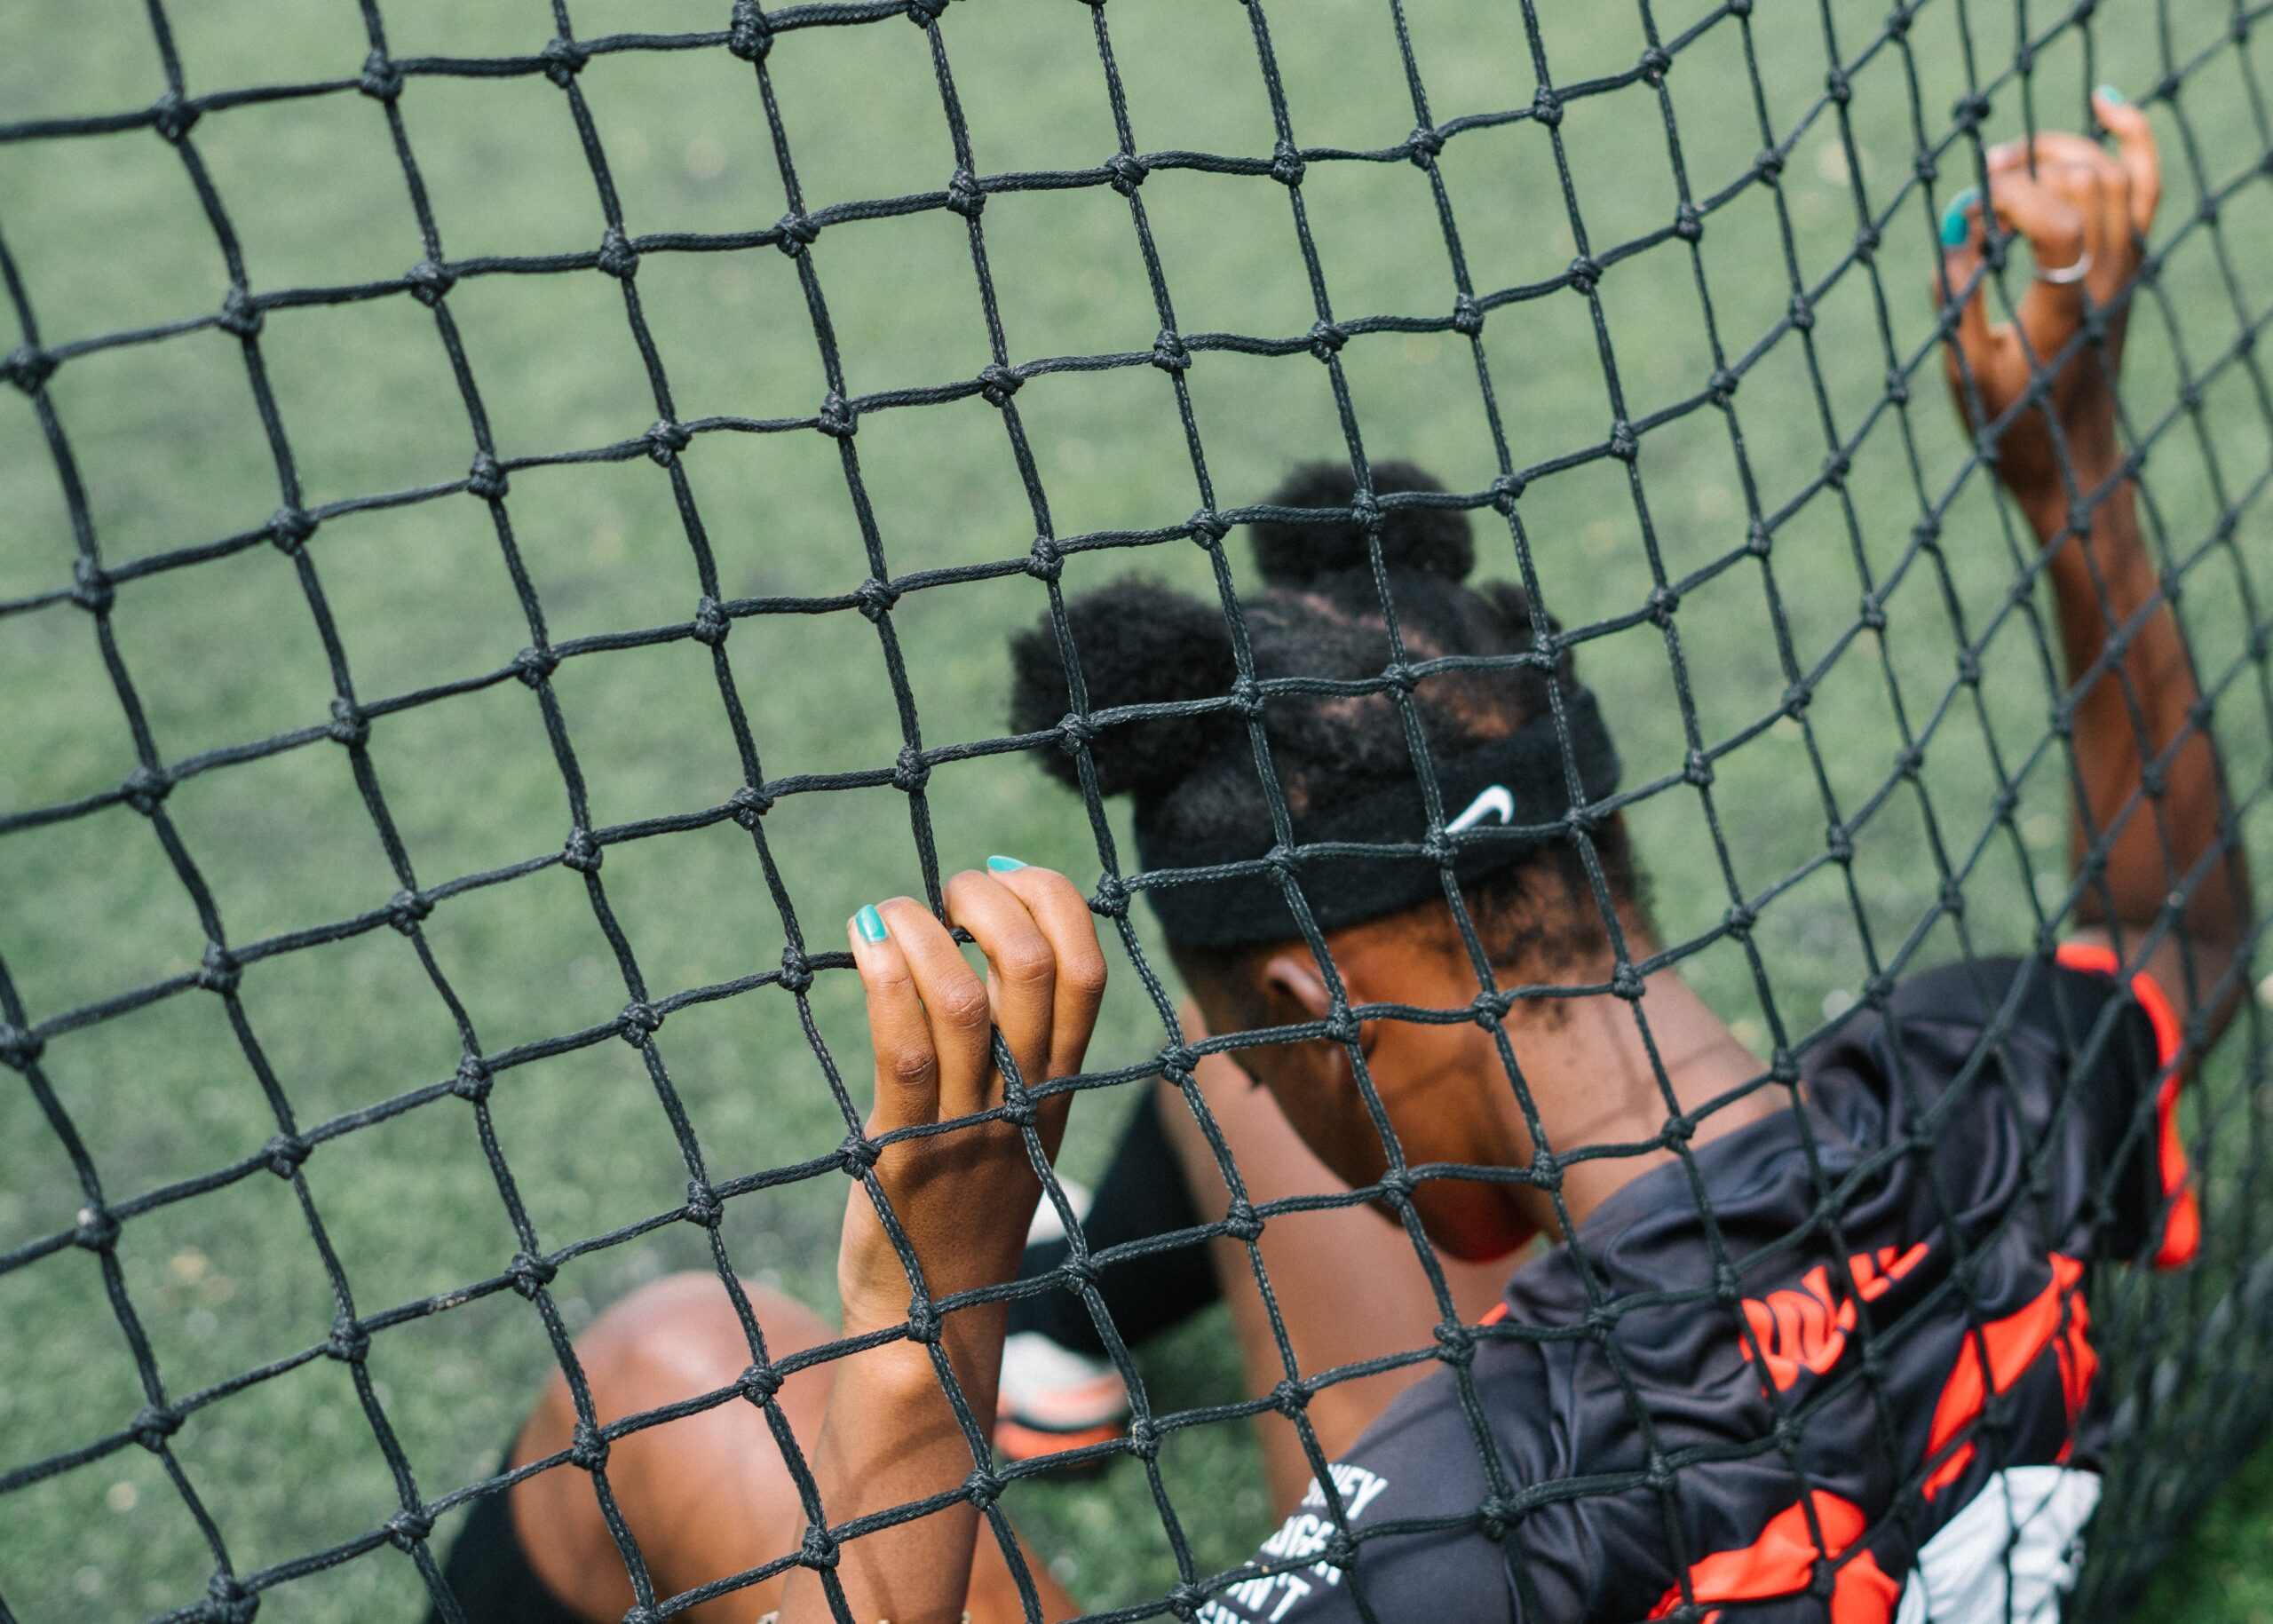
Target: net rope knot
408, 1528
382, 77
1326, 339
219, 971
1170, 353
638, 1022
349, 1342
982, 1488
473, 1079
1045, 560
1423, 144
910, 771
1456, 1344
1547, 107
965, 196
97, 1230
486, 477
1286, 165
564, 60
1468, 316
818, 1550
153, 1424
349, 726
666, 439
284, 1154
1242, 1221
794, 234
241, 315
1079, 1270
1144, 1437
924, 13
228, 1602
406, 909
1494, 1515
534, 665
583, 853
758, 1385
838, 417
616, 256
858, 1154
1127, 172
1290, 1398
1656, 62
796, 970
27, 367
172, 117
997, 384
428, 282
19, 1050
288, 529
749, 35
589, 1448
529, 1274
710, 626
704, 1209
145, 787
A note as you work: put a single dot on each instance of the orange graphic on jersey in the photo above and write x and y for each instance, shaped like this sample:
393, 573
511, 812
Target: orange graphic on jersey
1781, 1562
1807, 1329
2057, 1318
2182, 1236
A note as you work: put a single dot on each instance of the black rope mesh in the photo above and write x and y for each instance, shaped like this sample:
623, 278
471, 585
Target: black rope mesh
2188, 1352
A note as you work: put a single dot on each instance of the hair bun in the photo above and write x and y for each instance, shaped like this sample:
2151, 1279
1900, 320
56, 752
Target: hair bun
1427, 540
1139, 643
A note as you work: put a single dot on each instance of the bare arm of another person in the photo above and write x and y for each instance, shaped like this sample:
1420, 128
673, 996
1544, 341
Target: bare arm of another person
2150, 803
964, 1199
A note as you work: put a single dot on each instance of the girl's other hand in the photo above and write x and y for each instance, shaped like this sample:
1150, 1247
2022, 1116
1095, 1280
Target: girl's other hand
2077, 205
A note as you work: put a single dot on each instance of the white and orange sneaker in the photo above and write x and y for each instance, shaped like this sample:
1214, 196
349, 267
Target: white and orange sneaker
1053, 1399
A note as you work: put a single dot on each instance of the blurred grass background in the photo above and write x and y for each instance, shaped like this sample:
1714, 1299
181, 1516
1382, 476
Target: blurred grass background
108, 236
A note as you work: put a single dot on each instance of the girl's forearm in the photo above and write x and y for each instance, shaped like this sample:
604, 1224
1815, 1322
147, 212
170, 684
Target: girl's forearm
890, 1438
2135, 734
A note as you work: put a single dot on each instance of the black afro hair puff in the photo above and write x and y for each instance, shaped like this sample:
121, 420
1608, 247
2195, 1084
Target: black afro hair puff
1139, 643
1430, 541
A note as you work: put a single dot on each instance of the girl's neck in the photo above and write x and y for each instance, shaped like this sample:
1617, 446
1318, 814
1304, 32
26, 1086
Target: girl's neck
1604, 1073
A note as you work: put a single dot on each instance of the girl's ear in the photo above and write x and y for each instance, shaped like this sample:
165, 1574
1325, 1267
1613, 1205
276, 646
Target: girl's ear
1294, 991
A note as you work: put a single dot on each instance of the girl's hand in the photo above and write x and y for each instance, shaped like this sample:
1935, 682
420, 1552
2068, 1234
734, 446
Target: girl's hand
963, 1198
2081, 206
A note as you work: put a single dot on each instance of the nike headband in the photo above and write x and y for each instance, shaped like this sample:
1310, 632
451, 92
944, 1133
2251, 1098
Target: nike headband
1368, 857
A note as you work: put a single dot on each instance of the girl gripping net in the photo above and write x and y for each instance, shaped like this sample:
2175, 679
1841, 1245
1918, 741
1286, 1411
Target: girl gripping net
1802, 1343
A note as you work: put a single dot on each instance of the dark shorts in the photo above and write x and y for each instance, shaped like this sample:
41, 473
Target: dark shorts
490, 1575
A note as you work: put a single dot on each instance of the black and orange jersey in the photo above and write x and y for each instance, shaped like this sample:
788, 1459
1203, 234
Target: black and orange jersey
1844, 1370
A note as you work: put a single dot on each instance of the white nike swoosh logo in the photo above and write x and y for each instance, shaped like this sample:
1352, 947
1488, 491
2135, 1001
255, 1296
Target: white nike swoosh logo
1494, 800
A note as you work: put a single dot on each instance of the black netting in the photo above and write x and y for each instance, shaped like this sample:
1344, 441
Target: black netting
2185, 1351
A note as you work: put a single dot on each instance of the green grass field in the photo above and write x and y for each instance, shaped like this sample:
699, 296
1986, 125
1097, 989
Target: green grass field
108, 236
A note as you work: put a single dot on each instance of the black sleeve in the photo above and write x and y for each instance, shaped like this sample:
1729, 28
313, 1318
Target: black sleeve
2069, 1056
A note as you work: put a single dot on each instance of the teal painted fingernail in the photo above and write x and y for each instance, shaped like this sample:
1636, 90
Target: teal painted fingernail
2107, 92
1005, 864
1955, 227
870, 924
